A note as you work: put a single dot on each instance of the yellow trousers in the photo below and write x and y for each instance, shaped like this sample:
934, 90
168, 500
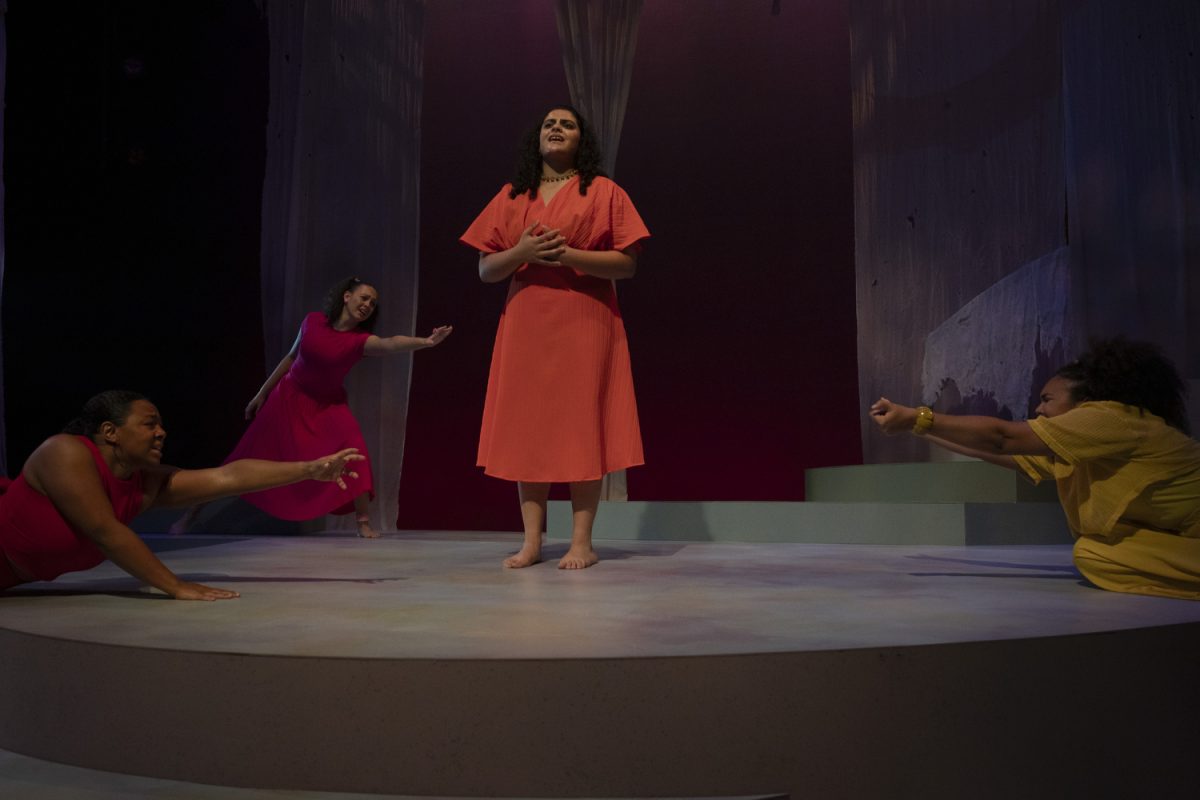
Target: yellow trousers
1142, 562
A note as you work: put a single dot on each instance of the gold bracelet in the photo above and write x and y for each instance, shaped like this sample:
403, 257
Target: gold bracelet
924, 420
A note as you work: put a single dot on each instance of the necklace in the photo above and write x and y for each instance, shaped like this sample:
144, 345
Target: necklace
563, 177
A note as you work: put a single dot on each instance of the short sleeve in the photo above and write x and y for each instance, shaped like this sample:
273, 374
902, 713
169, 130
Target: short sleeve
627, 226
360, 343
1036, 468
1089, 431
489, 232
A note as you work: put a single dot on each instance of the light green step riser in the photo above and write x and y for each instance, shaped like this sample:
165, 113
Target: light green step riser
822, 523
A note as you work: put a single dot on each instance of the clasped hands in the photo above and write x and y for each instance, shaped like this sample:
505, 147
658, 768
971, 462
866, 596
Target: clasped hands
541, 246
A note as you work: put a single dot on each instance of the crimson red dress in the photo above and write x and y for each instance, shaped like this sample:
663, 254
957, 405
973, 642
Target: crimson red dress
37, 540
560, 404
306, 417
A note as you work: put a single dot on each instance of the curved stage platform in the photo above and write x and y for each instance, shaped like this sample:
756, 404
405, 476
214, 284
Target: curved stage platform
416, 665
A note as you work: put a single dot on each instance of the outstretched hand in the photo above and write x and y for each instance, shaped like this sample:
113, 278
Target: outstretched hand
334, 467
198, 591
891, 417
253, 406
439, 335
544, 247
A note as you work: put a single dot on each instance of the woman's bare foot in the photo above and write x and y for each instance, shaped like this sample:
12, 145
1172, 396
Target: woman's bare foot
578, 557
365, 531
527, 555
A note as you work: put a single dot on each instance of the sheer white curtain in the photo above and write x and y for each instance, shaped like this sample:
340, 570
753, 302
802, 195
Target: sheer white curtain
991, 146
959, 186
1132, 92
340, 195
599, 38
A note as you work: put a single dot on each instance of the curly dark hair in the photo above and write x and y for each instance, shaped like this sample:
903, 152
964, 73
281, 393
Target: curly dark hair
111, 406
334, 303
589, 160
1134, 373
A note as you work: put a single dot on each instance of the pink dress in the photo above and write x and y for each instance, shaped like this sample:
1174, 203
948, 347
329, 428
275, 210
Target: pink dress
306, 417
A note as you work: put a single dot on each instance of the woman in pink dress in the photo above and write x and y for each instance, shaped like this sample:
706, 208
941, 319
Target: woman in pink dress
560, 404
302, 406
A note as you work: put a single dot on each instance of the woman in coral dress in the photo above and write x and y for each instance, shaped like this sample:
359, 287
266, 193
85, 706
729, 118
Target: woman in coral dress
302, 407
560, 403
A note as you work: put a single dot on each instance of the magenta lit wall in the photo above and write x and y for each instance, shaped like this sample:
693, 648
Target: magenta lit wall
736, 150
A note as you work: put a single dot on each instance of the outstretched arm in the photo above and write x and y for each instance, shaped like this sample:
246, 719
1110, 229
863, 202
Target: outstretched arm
63, 468
386, 345
979, 435
184, 487
999, 460
276, 375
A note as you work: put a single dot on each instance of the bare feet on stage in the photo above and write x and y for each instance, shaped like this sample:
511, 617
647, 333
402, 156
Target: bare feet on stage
578, 557
365, 531
585, 497
529, 554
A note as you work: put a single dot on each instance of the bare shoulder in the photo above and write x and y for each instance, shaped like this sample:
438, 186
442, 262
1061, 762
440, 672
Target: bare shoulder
60, 450
62, 455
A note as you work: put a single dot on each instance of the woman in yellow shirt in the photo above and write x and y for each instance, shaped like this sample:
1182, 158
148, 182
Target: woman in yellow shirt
1112, 432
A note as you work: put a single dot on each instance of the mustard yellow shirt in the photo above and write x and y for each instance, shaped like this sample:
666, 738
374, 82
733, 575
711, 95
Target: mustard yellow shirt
1119, 468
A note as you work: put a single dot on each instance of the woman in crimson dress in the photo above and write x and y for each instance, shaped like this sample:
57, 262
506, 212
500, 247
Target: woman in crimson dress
301, 409
560, 404
70, 508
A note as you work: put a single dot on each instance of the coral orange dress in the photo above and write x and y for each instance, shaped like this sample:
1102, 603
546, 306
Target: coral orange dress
560, 404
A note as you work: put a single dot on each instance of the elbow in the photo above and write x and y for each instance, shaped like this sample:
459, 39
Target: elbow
629, 268
107, 537
1001, 443
487, 271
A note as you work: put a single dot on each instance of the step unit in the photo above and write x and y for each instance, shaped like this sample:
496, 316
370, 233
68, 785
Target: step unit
929, 482
946, 503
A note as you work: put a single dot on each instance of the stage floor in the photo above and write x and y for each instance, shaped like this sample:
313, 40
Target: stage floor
414, 596
701, 669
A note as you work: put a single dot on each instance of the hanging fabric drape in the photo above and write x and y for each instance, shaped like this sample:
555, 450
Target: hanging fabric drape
278, 255
1131, 93
1022, 183
958, 205
599, 38
340, 193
